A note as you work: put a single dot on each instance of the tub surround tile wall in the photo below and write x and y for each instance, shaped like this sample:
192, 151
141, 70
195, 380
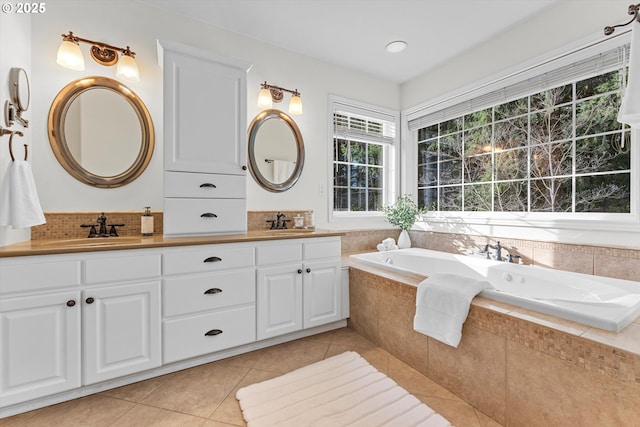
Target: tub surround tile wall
517, 366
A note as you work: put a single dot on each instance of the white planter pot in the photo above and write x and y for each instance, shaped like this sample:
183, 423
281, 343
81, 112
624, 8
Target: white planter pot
404, 241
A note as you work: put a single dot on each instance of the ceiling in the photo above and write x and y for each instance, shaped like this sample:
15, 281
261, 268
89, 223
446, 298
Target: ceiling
354, 33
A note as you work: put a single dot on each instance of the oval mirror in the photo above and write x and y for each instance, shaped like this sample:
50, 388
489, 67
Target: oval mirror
20, 90
101, 132
276, 150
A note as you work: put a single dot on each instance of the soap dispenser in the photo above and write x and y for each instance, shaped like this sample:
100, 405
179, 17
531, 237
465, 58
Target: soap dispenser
146, 222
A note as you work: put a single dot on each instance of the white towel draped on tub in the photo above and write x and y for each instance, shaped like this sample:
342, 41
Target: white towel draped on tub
630, 108
442, 305
19, 203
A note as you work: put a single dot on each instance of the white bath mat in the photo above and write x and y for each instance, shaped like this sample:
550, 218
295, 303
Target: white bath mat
343, 390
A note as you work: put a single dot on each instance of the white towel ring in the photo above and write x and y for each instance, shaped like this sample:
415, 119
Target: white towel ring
26, 153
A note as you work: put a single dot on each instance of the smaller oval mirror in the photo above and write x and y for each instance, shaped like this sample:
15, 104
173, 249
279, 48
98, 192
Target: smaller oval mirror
276, 150
101, 132
20, 90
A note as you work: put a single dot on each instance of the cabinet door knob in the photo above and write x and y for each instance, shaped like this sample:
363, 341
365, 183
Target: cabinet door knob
308, 270
213, 259
208, 215
89, 300
208, 185
213, 332
299, 271
212, 291
71, 303
244, 168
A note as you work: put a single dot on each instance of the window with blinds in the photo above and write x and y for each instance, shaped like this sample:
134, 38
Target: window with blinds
362, 138
548, 144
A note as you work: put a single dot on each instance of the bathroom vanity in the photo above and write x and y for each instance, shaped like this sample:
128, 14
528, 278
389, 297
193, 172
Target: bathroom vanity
80, 319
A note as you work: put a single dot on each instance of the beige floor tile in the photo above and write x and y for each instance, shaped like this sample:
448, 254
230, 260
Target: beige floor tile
212, 423
457, 412
143, 415
229, 410
91, 411
197, 391
486, 421
139, 391
377, 357
18, 420
292, 355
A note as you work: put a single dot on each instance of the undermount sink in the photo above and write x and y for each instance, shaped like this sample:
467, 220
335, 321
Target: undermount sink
93, 242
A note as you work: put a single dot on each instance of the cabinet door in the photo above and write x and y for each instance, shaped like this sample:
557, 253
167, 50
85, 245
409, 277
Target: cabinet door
322, 293
204, 115
279, 300
121, 330
39, 346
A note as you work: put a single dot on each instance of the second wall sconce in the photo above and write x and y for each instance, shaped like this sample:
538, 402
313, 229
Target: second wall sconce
70, 56
270, 94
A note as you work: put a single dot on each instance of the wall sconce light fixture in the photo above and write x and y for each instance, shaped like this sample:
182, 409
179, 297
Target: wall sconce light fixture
70, 56
270, 94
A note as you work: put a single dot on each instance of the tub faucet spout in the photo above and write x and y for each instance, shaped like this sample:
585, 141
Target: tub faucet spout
497, 248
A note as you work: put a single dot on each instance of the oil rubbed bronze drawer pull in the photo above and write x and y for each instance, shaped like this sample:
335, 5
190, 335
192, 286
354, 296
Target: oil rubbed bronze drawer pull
213, 259
208, 215
208, 185
212, 291
213, 333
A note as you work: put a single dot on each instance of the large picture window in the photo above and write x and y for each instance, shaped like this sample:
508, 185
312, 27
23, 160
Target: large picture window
362, 144
557, 150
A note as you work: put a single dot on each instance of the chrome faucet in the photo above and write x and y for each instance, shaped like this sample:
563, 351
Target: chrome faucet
497, 248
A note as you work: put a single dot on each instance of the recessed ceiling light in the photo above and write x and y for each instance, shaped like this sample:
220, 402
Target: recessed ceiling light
396, 46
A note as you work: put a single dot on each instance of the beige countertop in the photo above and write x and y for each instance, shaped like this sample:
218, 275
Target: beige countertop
63, 246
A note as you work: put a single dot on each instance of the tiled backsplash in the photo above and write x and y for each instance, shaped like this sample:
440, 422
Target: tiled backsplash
66, 225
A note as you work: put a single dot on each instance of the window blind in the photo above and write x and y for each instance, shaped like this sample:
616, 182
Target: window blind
597, 64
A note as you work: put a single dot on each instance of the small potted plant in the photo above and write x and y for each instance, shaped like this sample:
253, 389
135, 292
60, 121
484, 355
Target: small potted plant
403, 214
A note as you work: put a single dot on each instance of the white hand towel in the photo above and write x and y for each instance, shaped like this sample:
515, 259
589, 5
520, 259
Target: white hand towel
19, 203
630, 107
442, 305
282, 170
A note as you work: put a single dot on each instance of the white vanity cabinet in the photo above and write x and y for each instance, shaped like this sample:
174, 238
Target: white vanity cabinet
208, 299
72, 320
204, 141
298, 285
121, 315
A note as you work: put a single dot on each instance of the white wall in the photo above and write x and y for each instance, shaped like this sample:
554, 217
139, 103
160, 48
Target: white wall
15, 42
563, 23
130, 23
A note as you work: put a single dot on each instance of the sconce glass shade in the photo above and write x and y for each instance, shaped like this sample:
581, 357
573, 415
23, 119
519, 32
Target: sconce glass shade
264, 99
295, 105
127, 68
70, 56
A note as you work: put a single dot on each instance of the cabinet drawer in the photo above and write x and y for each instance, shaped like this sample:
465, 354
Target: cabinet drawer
119, 269
278, 253
207, 258
34, 276
184, 295
204, 216
187, 337
329, 248
204, 185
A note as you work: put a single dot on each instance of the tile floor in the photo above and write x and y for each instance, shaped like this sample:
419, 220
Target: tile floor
204, 396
